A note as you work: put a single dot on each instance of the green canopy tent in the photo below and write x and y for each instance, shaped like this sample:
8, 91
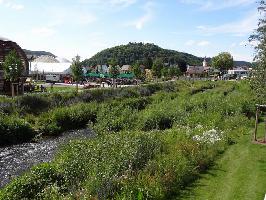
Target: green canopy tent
92, 75
128, 76
105, 75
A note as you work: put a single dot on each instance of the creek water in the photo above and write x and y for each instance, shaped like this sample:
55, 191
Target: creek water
17, 159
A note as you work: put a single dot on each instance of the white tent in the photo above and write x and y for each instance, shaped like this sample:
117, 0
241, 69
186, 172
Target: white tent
49, 67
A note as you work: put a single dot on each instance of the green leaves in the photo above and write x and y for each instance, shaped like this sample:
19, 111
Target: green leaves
12, 66
76, 68
223, 61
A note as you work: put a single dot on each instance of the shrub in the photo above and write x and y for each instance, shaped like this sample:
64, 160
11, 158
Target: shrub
67, 118
32, 184
33, 104
115, 118
14, 130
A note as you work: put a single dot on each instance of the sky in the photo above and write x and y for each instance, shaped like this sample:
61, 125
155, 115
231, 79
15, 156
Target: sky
84, 27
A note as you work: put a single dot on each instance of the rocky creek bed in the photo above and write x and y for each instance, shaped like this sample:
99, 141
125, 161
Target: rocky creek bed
16, 159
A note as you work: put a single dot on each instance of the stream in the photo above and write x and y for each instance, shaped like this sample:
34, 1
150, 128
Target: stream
16, 159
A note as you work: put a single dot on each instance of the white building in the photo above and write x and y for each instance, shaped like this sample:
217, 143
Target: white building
239, 72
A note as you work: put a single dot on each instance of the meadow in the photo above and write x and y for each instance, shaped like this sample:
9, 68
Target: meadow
151, 141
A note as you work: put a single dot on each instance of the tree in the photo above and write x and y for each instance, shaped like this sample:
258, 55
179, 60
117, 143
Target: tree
174, 71
12, 68
113, 62
157, 67
147, 62
137, 71
258, 81
223, 61
165, 72
114, 71
76, 69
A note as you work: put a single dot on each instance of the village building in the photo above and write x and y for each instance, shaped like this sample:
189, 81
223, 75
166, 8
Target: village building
45, 67
126, 69
6, 46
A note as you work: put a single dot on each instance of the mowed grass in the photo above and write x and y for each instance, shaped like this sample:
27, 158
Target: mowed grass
240, 174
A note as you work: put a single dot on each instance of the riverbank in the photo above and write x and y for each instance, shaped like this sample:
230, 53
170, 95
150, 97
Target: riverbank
17, 159
146, 147
239, 174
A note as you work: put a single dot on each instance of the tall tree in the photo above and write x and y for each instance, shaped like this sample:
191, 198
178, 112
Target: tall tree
258, 81
77, 71
223, 61
147, 62
157, 67
165, 72
137, 71
12, 68
174, 71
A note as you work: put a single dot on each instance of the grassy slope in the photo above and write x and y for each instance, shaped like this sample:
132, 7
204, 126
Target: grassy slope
240, 174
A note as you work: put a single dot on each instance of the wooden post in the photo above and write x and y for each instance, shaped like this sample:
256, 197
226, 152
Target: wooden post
17, 89
256, 124
12, 90
22, 88
265, 129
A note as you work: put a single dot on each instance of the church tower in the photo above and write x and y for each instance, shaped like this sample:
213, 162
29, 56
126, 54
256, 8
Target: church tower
205, 63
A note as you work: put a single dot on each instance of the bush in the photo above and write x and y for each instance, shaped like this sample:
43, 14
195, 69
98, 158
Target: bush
14, 130
33, 104
67, 118
32, 184
115, 118
98, 164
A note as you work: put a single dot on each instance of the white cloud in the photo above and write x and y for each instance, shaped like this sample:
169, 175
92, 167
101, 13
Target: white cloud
233, 45
190, 43
70, 16
12, 4
212, 5
203, 43
197, 43
43, 31
247, 43
148, 16
245, 26
242, 57
108, 3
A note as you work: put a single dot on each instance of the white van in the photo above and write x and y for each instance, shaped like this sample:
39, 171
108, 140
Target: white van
52, 78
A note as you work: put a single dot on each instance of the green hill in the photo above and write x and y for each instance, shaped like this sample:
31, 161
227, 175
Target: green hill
144, 53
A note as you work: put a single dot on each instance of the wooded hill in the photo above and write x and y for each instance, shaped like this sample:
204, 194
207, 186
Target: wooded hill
144, 53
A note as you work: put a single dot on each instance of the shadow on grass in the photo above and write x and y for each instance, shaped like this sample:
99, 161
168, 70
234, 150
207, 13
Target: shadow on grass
188, 192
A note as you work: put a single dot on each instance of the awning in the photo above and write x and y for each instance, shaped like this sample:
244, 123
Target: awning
93, 75
124, 75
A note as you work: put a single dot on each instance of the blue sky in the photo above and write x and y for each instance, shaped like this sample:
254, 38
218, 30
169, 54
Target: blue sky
70, 27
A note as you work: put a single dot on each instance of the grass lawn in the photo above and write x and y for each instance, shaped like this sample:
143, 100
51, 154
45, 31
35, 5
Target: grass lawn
240, 174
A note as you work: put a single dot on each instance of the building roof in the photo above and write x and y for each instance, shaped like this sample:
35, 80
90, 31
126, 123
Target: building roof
50, 67
6, 46
125, 67
4, 39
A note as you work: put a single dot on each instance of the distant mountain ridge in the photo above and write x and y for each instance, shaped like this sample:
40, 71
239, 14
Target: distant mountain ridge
139, 52
36, 54
133, 52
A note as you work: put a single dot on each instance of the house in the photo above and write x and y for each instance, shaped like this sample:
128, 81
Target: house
199, 70
126, 69
195, 70
103, 69
240, 72
142, 68
6, 46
